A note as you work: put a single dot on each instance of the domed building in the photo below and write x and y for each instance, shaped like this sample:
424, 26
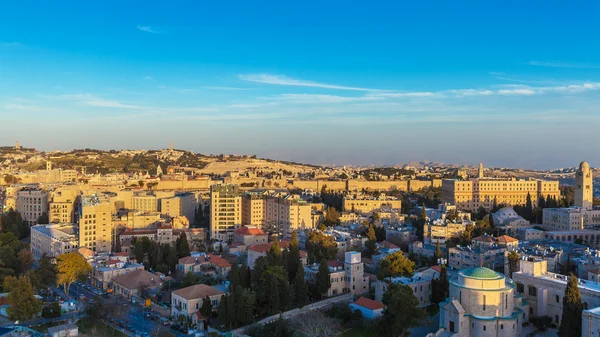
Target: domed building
482, 302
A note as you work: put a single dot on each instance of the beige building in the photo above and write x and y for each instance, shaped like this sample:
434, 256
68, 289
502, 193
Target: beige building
276, 212
485, 192
440, 231
569, 218
134, 283
95, 223
250, 235
53, 240
62, 205
144, 202
367, 204
32, 202
188, 301
181, 204
482, 302
225, 211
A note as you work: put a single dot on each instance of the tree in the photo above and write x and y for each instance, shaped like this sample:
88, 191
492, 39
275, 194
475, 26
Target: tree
51, 311
320, 247
293, 259
183, 248
273, 296
43, 219
513, 262
22, 303
570, 324
323, 278
138, 251
528, 208
234, 277
395, 264
371, 244
46, 271
71, 267
300, 287
332, 218
10, 179
25, 259
274, 254
440, 286
206, 308
438, 252
223, 311
401, 312
172, 259
315, 324
189, 279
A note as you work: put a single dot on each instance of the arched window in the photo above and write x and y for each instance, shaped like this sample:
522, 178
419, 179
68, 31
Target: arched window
532, 290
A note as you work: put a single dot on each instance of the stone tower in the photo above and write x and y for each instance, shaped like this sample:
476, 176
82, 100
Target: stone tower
354, 271
17, 146
480, 171
48, 165
584, 188
171, 146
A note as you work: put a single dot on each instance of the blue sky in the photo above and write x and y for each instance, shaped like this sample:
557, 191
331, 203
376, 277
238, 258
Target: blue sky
509, 83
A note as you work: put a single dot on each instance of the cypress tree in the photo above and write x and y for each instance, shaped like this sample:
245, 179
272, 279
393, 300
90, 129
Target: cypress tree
234, 277
293, 257
438, 251
323, 278
570, 324
274, 303
274, 255
371, 241
300, 287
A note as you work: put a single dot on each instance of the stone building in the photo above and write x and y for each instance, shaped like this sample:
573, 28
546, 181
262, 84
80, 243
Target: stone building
346, 277
482, 302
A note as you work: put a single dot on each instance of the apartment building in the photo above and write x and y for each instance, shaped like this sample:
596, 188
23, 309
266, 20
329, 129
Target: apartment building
471, 194
62, 205
225, 211
279, 213
95, 223
32, 202
53, 240
188, 301
181, 204
145, 202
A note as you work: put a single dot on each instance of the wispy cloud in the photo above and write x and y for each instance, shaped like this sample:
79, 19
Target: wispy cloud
563, 65
95, 101
311, 98
288, 81
226, 88
149, 29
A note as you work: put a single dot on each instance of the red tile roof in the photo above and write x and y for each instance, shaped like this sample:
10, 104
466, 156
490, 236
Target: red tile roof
249, 231
165, 227
437, 268
335, 264
369, 303
389, 245
484, 238
507, 239
265, 247
122, 253
219, 261
197, 291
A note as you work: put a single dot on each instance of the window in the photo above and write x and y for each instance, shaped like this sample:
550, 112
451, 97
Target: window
501, 326
484, 302
532, 290
557, 298
484, 328
520, 288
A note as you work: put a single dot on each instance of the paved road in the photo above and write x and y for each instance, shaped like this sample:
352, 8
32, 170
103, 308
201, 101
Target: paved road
427, 328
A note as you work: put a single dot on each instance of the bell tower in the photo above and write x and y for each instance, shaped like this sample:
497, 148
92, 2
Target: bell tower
584, 187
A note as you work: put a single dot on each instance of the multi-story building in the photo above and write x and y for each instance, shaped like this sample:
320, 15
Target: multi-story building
102, 275
346, 277
225, 211
482, 302
181, 204
250, 235
569, 218
545, 290
276, 212
162, 234
145, 202
62, 206
584, 188
470, 257
487, 192
367, 204
53, 240
441, 230
32, 202
95, 223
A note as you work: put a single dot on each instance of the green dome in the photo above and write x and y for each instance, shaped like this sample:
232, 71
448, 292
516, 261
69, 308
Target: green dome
481, 273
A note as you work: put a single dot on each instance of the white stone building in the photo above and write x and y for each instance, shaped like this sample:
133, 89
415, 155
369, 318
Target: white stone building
482, 302
53, 240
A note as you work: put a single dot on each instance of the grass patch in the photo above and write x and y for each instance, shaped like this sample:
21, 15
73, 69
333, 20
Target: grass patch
98, 329
360, 332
